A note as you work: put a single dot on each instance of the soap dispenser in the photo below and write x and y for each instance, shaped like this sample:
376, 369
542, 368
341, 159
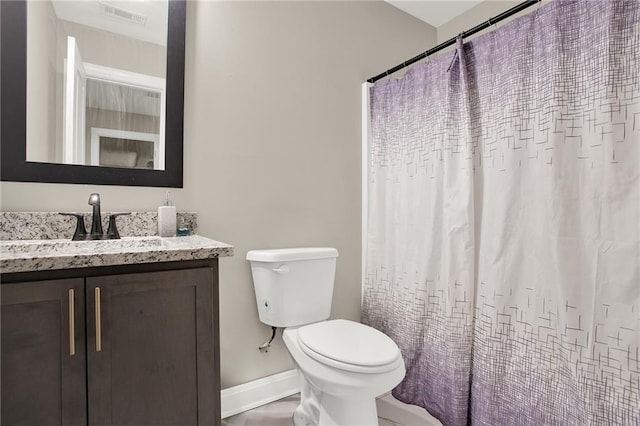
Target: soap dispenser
167, 219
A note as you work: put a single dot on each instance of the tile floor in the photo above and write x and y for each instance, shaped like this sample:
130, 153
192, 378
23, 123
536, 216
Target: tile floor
279, 413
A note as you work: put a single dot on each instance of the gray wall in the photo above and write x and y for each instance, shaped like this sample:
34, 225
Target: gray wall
272, 146
113, 50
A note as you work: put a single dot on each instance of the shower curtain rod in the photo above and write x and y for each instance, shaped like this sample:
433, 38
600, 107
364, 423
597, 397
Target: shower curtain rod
452, 41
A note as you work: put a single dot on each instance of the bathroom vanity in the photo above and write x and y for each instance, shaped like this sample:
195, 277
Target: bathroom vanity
111, 332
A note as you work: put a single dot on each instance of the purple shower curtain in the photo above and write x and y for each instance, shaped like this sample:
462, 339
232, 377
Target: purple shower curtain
504, 221
420, 268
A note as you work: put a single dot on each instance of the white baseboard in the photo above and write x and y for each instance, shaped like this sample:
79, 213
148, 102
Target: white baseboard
250, 395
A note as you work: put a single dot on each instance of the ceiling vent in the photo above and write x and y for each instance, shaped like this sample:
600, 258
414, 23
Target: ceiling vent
122, 14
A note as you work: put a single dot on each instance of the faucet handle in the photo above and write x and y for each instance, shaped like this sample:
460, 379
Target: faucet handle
112, 231
81, 231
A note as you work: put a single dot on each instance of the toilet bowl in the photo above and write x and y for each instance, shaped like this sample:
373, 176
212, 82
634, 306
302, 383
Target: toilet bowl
344, 366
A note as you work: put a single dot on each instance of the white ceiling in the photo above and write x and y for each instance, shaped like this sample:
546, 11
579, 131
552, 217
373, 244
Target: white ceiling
434, 12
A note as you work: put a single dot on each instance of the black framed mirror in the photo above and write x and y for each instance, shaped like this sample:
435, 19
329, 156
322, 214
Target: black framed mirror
15, 165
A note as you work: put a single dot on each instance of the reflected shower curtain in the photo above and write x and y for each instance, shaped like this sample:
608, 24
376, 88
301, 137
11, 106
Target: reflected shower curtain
504, 221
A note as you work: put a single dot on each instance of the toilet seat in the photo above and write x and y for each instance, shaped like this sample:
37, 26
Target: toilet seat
349, 346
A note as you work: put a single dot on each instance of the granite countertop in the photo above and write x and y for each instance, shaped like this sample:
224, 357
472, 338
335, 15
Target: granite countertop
44, 255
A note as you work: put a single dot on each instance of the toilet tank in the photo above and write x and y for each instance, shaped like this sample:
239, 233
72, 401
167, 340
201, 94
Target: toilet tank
293, 286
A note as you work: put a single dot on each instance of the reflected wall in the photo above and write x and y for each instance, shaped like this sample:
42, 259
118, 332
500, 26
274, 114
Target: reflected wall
118, 83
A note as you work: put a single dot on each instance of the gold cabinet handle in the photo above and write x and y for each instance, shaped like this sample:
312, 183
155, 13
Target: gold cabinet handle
96, 294
72, 323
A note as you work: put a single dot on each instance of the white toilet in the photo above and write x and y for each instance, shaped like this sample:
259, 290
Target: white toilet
344, 365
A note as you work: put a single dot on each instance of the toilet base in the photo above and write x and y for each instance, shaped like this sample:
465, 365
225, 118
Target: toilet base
335, 411
308, 412
322, 409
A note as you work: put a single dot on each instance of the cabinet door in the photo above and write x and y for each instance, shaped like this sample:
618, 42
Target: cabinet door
43, 353
150, 343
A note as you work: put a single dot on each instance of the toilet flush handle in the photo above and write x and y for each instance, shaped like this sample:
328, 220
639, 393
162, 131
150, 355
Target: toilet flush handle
281, 269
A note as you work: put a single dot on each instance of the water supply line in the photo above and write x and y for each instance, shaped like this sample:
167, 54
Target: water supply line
266, 345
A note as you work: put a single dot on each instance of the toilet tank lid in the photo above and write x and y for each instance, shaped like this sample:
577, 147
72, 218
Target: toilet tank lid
291, 254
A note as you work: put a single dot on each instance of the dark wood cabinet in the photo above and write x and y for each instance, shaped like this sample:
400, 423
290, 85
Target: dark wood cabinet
43, 353
153, 365
150, 356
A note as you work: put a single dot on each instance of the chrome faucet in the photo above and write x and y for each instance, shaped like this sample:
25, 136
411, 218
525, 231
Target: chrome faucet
96, 220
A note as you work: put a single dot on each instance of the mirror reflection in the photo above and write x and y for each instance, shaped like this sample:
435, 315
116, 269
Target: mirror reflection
96, 83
